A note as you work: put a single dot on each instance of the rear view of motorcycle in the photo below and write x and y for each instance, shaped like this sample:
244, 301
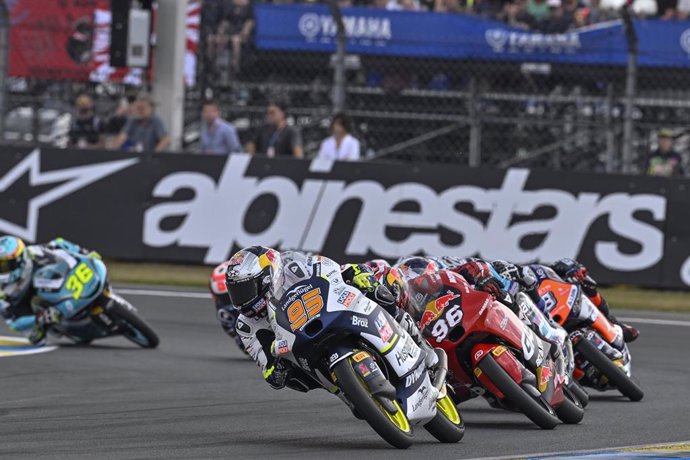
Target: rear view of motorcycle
77, 285
353, 348
602, 358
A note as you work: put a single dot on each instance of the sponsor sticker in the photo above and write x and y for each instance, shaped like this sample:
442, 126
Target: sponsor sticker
346, 298
384, 329
361, 322
362, 355
363, 370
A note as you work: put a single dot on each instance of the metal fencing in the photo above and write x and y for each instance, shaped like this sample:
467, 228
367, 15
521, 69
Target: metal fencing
497, 113
474, 113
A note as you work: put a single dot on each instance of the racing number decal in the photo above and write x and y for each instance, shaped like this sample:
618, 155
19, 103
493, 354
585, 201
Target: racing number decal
549, 300
441, 328
302, 310
75, 283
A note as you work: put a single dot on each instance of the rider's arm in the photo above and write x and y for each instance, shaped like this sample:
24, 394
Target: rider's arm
361, 277
66, 245
257, 337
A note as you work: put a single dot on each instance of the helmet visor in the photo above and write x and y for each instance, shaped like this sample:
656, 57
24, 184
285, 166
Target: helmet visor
245, 292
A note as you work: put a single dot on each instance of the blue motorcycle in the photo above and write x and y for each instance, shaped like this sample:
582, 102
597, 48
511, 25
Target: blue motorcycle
77, 285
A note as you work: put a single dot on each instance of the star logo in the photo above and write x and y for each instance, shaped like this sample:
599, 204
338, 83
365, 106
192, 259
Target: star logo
52, 186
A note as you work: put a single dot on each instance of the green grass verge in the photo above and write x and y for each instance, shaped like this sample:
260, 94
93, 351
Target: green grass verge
619, 297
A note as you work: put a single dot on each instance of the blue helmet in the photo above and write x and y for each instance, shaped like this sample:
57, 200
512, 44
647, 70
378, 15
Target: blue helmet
16, 267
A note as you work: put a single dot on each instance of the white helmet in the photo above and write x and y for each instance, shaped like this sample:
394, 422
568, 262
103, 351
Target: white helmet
253, 276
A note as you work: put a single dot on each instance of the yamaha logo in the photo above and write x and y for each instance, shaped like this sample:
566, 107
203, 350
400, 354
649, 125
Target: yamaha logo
685, 41
496, 38
309, 25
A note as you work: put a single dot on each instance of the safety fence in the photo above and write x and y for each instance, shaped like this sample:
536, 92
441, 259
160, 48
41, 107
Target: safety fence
419, 86
200, 209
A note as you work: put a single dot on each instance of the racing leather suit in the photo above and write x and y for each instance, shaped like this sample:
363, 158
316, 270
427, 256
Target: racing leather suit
20, 313
226, 313
257, 333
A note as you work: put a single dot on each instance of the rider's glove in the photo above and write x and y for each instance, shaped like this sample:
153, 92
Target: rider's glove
48, 316
490, 285
571, 270
38, 336
277, 374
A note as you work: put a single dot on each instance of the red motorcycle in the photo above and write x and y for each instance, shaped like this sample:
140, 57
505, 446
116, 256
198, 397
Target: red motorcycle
602, 358
491, 352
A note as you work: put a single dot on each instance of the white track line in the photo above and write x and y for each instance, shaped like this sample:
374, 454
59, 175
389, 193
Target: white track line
606, 450
203, 295
161, 293
660, 322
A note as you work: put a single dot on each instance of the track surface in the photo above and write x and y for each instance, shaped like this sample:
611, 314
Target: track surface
197, 396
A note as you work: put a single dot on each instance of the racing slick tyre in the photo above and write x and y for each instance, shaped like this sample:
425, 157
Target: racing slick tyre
395, 429
132, 327
613, 373
536, 409
579, 392
447, 426
570, 411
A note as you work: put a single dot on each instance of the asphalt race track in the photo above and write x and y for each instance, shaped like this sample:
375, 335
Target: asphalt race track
197, 396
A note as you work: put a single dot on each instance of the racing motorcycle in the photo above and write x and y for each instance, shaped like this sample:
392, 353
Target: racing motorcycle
602, 358
547, 328
491, 352
77, 285
352, 347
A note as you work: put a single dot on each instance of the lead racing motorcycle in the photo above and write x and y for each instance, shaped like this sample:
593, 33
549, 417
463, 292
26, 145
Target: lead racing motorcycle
353, 348
77, 285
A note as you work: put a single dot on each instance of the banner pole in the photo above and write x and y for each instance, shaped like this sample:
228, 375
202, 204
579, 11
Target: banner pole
630, 89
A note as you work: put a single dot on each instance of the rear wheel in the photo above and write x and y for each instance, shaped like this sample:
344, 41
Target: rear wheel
613, 373
447, 425
133, 328
570, 411
394, 428
536, 409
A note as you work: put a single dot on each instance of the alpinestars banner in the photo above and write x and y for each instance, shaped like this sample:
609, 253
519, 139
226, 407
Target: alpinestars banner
200, 209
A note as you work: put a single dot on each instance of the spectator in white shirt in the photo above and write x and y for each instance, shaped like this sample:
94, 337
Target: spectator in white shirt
341, 145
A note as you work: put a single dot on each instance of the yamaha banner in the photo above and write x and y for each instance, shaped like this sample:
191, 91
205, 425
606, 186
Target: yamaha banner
311, 28
200, 209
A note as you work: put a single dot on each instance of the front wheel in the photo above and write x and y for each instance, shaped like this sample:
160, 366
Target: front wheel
570, 411
394, 428
536, 409
447, 425
132, 327
613, 373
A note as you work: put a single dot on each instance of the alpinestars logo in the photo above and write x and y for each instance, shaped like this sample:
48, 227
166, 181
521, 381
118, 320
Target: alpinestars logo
66, 182
215, 218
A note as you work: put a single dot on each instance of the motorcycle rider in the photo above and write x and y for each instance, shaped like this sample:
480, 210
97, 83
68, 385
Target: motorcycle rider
226, 313
570, 271
379, 268
18, 264
257, 276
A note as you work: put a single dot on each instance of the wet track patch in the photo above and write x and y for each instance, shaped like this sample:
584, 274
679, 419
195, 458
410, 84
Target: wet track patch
18, 346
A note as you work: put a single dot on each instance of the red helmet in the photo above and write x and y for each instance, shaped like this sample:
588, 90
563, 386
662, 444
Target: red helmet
379, 267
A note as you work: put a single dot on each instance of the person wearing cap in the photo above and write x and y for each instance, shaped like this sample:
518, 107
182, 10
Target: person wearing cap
145, 131
664, 161
86, 130
276, 138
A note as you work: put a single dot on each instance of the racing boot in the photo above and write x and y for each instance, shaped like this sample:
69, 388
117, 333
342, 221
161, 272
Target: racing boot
630, 333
